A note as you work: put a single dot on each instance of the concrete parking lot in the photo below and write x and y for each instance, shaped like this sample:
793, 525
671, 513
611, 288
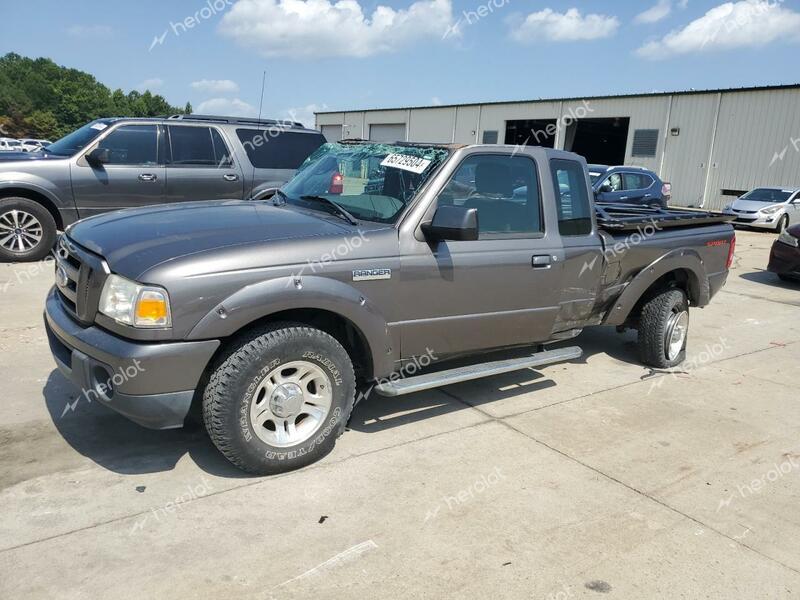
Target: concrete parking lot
599, 478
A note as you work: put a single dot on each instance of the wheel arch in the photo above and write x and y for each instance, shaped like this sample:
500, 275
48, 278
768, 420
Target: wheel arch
35, 196
681, 269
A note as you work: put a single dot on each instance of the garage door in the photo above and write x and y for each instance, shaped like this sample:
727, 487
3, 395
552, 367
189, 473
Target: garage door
387, 132
332, 133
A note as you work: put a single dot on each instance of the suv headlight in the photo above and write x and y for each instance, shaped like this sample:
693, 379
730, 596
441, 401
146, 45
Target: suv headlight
788, 238
130, 303
771, 210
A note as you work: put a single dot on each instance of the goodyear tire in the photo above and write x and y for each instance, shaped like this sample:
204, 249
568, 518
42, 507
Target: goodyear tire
27, 230
663, 329
279, 399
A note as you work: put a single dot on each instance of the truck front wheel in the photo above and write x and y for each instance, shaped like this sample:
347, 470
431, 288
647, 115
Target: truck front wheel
663, 329
279, 399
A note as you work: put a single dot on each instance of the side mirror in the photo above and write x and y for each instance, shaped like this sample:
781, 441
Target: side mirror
98, 157
456, 223
606, 187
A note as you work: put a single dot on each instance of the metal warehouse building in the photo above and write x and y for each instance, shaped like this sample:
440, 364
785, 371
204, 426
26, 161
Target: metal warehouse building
711, 145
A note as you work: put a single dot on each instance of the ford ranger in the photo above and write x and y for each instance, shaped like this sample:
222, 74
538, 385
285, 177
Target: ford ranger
267, 316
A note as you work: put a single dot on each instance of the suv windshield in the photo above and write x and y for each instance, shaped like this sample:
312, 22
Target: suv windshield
374, 182
78, 139
767, 195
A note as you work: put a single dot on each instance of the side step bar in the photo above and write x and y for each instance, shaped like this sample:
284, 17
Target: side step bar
409, 385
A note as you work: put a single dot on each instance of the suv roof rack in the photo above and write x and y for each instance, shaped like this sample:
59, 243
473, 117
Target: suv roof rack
236, 120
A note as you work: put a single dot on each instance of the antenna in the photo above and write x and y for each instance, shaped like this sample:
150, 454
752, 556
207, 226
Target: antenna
260, 105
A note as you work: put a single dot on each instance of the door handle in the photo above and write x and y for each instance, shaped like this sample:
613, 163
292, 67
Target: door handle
230, 177
147, 177
540, 261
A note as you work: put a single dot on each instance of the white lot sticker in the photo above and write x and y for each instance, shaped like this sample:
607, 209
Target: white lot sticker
99, 126
405, 162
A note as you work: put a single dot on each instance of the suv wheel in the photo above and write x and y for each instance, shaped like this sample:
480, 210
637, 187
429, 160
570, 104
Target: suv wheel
27, 230
664, 329
279, 399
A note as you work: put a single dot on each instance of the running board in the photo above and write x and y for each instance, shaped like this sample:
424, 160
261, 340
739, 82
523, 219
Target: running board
409, 385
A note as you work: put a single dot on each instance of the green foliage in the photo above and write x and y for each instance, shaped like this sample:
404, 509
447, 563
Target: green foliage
41, 99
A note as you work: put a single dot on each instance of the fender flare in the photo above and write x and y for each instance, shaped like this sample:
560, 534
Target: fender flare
266, 298
32, 187
677, 260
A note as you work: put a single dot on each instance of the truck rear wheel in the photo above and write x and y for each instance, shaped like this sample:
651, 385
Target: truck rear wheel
279, 399
663, 329
27, 230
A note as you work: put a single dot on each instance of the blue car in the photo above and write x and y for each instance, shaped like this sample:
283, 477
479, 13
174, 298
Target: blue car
629, 185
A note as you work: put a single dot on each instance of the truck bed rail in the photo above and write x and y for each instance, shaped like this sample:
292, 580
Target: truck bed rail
627, 217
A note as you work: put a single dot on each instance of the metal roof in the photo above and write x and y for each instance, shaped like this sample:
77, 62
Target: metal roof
790, 86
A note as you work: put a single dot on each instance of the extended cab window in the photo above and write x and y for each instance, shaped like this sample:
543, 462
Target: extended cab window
572, 197
278, 149
132, 145
504, 189
197, 146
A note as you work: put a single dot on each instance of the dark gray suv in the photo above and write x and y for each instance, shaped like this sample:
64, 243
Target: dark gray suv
116, 163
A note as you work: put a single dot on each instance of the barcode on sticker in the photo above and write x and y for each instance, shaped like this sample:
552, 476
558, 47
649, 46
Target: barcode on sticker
415, 164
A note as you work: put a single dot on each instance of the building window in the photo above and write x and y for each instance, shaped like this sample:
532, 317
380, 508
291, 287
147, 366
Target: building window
490, 137
645, 142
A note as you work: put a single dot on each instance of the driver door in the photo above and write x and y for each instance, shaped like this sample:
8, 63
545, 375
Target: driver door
133, 176
499, 290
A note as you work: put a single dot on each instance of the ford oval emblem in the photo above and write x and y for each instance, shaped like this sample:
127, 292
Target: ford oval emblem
61, 277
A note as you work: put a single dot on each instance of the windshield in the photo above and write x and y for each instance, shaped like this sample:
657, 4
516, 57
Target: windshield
595, 177
374, 182
14, 143
78, 139
768, 195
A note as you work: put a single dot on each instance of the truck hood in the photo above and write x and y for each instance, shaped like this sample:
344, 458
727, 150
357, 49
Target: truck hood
135, 240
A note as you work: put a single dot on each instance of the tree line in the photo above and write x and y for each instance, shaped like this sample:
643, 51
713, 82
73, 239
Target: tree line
40, 99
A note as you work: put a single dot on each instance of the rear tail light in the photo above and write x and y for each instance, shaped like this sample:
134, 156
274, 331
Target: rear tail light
337, 184
666, 190
731, 252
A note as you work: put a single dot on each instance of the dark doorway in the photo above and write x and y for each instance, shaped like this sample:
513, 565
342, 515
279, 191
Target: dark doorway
599, 141
531, 132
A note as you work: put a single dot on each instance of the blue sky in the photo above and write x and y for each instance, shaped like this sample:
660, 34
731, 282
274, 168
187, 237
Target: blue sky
368, 53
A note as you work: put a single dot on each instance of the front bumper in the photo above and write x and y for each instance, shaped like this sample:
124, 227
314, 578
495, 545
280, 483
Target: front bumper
757, 220
150, 383
784, 260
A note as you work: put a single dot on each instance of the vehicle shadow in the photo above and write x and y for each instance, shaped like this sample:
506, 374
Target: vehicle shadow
378, 413
768, 278
121, 446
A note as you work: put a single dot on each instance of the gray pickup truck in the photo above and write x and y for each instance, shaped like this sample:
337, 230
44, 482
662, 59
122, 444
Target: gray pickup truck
116, 163
268, 316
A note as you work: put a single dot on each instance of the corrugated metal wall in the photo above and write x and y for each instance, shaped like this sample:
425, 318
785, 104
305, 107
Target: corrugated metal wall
732, 140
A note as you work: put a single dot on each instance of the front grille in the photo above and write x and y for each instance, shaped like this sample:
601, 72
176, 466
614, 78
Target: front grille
79, 279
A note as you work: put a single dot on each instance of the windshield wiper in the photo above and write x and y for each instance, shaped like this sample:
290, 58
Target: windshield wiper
339, 209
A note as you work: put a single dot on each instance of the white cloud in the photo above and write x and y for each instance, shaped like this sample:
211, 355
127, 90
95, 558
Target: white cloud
742, 24
660, 10
321, 28
227, 107
548, 25
150, 84
303, 114
216, 86
90, 31
436, 101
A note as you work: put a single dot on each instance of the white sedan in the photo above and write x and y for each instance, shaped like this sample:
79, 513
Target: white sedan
767, 208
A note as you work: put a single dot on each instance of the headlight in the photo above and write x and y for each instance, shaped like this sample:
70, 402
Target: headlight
728, 208
788, 238
130, 303
771, 210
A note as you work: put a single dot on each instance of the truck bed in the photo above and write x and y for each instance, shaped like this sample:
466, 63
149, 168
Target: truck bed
616, 217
